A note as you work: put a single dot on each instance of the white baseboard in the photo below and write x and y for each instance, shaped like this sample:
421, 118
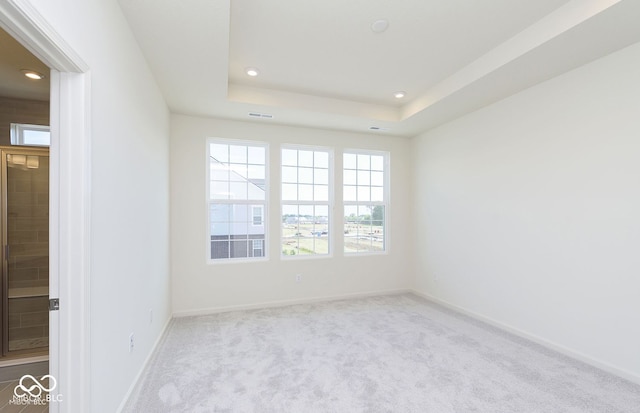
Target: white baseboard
284, 303
144, 365
609, 368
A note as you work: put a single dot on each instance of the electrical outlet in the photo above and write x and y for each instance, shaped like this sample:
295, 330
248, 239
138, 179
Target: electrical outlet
298, 278
131, 343
150, 316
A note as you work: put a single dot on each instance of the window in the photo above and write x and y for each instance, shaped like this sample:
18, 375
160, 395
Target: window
306, 201
365, 188
237, 199
258, 215
258, 247
30, 135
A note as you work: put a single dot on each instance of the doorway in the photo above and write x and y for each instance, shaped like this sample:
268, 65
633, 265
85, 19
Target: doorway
69, 205
24, 212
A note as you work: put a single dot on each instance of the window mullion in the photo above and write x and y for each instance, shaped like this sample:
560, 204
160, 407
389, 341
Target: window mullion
366, 201
305, 215
237, 186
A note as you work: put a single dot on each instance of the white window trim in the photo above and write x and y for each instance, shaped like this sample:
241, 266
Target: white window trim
386, 201
330, 204
250, 203
253, 246
18, 130
253, 222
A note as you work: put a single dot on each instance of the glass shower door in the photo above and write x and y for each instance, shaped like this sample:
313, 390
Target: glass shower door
25, 200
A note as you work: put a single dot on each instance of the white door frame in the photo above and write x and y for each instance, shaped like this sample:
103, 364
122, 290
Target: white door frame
69, 208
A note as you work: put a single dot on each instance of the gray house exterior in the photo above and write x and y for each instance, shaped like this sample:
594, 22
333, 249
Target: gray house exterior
238, 229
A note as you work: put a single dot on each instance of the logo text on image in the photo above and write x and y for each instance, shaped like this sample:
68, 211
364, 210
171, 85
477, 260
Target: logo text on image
33, 391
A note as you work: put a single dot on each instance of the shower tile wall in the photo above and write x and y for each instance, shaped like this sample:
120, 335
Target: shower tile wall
20, 111
28, 239
28, 315
28, 323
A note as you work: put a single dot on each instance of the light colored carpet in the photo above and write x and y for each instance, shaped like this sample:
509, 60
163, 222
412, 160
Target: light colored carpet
396, 353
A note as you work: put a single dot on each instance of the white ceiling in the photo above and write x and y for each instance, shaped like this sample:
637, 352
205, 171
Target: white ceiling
321, 65
327, 48
13, 58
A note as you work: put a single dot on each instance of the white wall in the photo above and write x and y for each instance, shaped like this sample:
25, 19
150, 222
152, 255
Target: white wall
130, 193
198, 286
528, 212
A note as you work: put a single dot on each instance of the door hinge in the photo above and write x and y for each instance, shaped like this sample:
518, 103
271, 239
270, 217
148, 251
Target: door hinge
54, 304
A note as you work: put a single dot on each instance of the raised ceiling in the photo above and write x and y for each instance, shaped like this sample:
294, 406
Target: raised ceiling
321, 65
327, 48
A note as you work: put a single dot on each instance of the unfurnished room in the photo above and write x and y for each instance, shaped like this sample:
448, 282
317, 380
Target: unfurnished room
304, 206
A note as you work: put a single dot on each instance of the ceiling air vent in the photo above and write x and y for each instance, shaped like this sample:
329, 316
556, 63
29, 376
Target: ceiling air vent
260, 115
378, 128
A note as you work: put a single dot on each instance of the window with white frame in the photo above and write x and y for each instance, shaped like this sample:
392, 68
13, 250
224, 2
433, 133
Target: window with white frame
257, 213
237, 199
30, 135
258, 247
306, 201
365, 195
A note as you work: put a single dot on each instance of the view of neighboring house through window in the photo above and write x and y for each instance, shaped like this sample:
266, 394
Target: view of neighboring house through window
237, 199
258, 215
365, 193
306, 201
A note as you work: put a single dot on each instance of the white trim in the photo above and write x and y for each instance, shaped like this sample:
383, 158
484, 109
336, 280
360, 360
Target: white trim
146, 362
249, 202
69, 345
56, 343
23, 22
74, 239
330, 203
365, 254
253, 247
386, 202
302, 257
18, 134
239, 260
284, 303
569, 352
253, 216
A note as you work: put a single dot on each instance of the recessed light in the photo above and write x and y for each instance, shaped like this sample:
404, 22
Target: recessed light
399, 94
252, 71
379, 26
32, 74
